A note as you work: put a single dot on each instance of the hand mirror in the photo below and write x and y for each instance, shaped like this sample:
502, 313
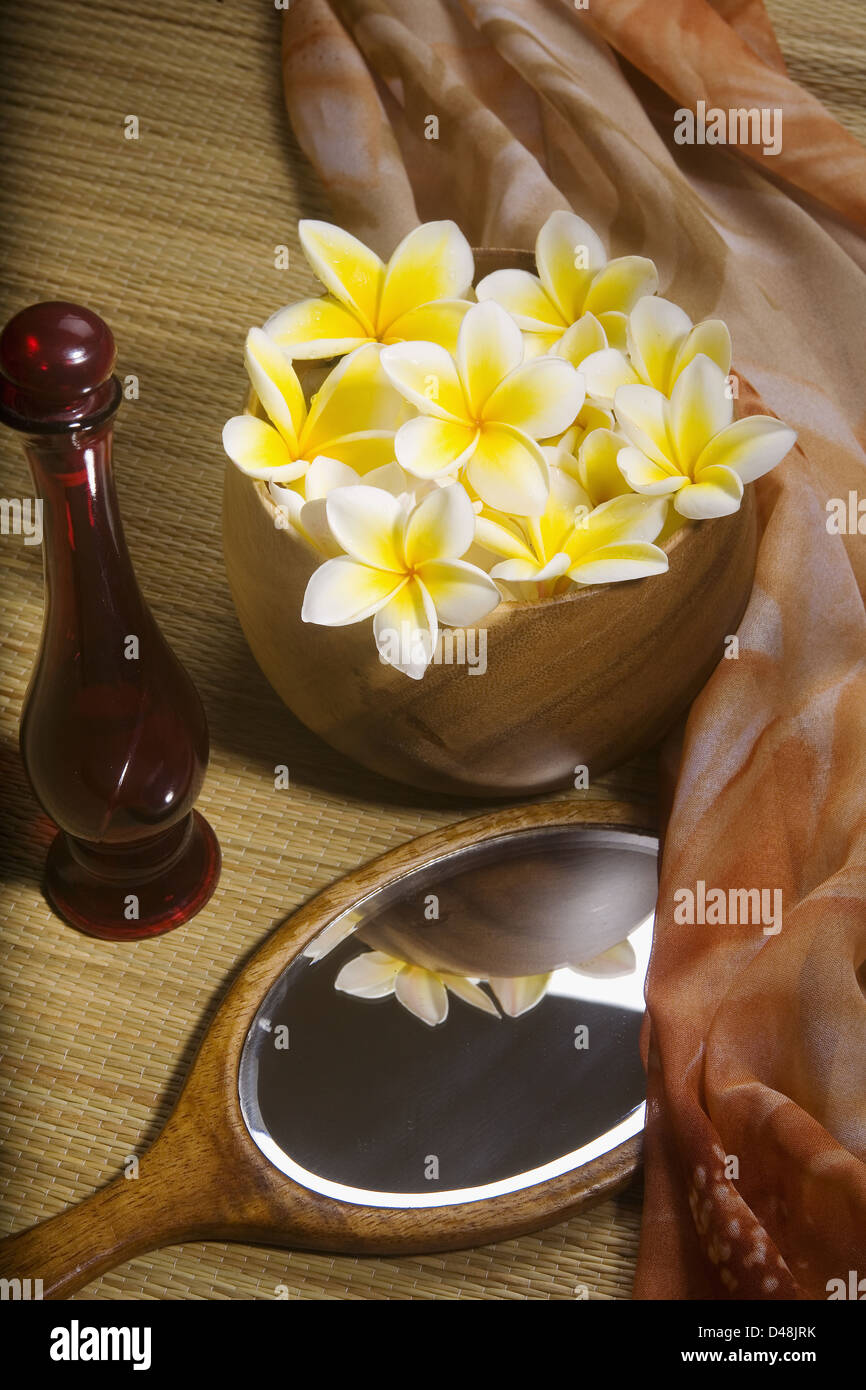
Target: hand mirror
439, 1050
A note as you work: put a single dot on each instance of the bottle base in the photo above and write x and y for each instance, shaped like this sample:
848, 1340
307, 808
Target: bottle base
117, 897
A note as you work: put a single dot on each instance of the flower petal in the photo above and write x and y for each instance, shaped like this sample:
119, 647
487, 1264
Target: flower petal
613, 564
324, 474
701, 407
438, 322
616, 960
501, 539
316, 328
509, 472
621, 284
657, 329
557, 521
308, 519
615, 327
622, 520
541, 398
442, 526
349, 269
276, 385
604, 372
489, 346
598, 468
428, 448
365, 451
426, 375
369, 976
423, 994
568, 253
470, 993
434, 261
750, 447
355, 397
461, 593
642, 413
406, 628
312, 522
525, 571
258, 449
718, 492
525, 299
368, 523
645, 475
341, 592
711, 337
391, 477
518, 996
287, 497
582, 338
538, 344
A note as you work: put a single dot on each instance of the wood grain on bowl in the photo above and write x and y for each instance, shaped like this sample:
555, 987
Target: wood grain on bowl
592, 677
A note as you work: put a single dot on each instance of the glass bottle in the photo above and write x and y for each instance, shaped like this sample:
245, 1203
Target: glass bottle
113, 733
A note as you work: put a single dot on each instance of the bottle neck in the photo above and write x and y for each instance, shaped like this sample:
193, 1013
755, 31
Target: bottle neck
87, 566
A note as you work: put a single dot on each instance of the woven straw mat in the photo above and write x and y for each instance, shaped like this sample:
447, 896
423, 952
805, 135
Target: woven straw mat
172, 238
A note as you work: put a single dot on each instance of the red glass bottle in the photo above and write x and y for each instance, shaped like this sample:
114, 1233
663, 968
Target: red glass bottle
113, 733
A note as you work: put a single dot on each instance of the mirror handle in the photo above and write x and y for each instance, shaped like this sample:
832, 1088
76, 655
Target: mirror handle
129, 1216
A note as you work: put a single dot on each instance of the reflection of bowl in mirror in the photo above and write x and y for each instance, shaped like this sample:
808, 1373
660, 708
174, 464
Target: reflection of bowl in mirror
551, 899
366, 1104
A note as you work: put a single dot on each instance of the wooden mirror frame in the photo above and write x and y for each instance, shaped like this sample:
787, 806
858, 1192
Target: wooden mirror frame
204, 1178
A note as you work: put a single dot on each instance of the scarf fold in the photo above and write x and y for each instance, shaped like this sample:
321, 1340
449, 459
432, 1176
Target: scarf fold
755, 1040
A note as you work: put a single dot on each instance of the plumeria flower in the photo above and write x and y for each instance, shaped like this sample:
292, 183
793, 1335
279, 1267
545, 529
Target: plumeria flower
352, 418
484, 410
304, 501
661, 341
575, 542
418, 294
689, 448
375, 975
594, 463
401, 567
378, 975
574, 279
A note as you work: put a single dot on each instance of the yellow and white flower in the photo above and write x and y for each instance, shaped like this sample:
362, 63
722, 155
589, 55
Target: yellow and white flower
574, 279
352, 418
484, 410
376, 975
661, 342
401, 566
575, 542
689, 448
418, 294
424, 993
304, 501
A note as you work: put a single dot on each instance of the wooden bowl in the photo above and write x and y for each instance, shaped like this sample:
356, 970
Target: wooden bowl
592, 677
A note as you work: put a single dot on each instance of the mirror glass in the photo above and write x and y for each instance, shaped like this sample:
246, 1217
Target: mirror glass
466, 1030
